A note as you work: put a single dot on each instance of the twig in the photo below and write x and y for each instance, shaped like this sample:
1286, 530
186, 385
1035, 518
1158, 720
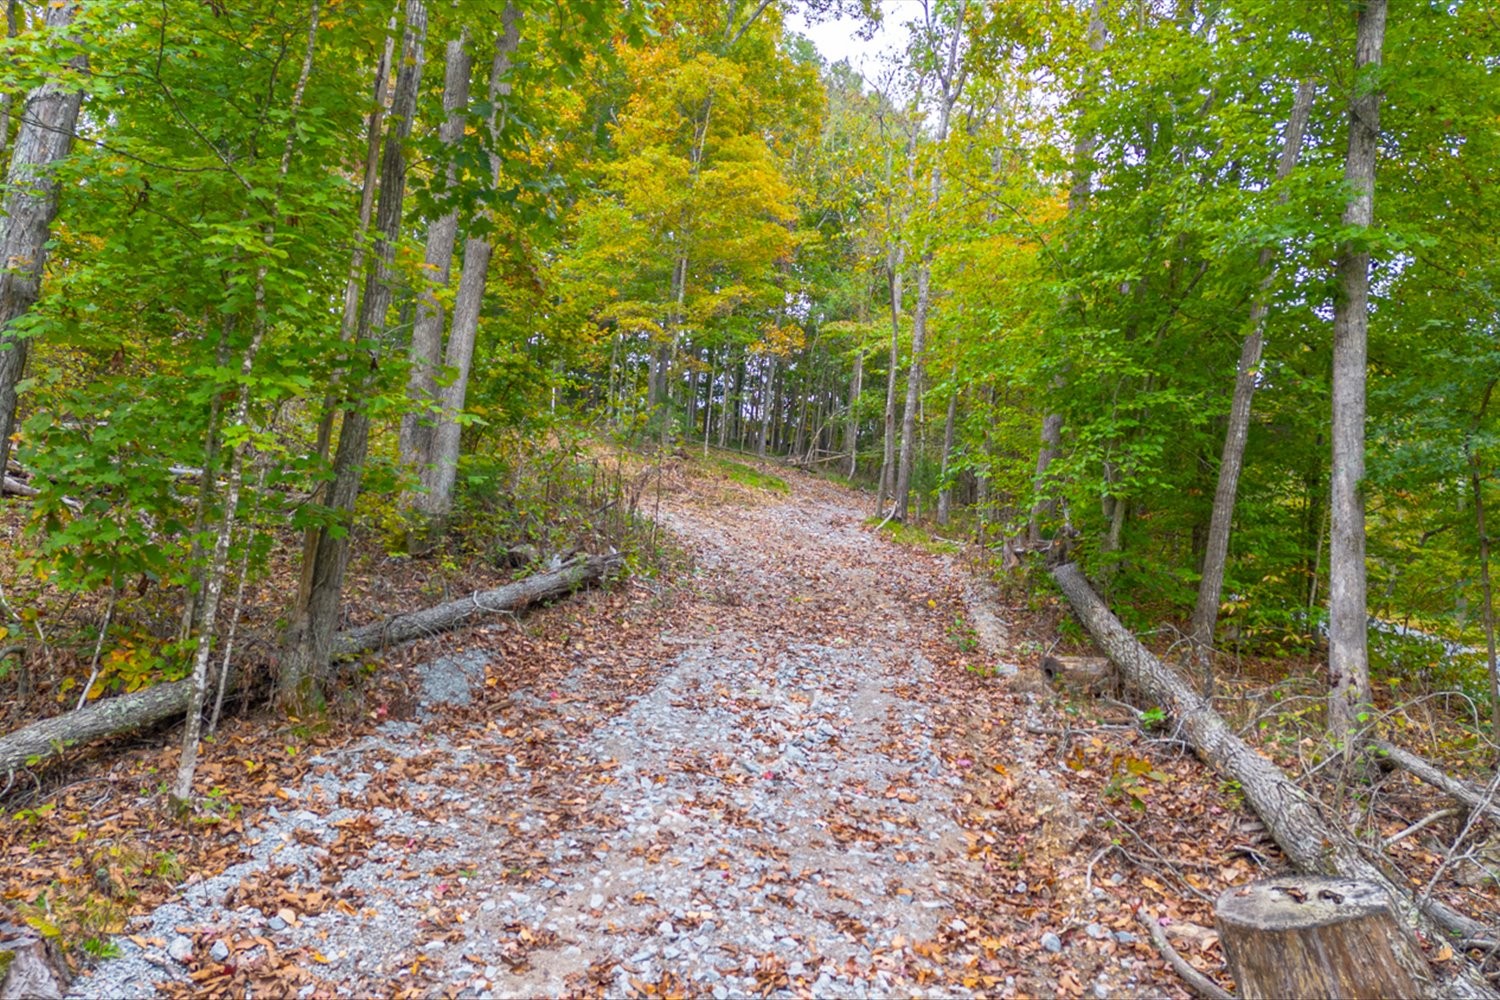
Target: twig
109, 612
1201, 984
1419, 825
1088, 875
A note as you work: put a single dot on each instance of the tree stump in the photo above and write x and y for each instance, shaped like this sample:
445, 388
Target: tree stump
1311, 937
1085, 674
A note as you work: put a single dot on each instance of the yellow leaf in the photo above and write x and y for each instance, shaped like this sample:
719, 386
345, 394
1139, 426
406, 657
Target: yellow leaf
999, 768
320, 958
1445, 953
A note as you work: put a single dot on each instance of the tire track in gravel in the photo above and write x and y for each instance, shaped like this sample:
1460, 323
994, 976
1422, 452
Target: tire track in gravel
768, 812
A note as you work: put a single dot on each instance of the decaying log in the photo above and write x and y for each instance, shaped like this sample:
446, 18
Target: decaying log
109, 716
17, 488
1312, 937
1084, 673
28, 970
1293, 817
1388, 754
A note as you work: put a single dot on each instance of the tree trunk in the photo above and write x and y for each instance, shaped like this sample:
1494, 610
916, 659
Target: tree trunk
1044, 504
310, 636
1318, 938
349, 320
45, 137
1292, 817
1348, 653
441, 472
35, 743
12, 29
1216, 548
888, 460
427, 331
767, 412
1476, 486
214, 580
851, 434
914, 372
952, 85
945, 494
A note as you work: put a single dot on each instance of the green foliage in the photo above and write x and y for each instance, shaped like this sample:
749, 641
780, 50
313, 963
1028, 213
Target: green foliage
746, 475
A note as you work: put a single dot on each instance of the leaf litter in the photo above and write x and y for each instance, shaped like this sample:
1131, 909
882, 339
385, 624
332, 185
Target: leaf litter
778, 776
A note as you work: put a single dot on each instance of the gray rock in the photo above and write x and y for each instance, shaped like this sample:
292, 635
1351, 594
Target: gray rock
1096, 932
276, 924
219, 952
1125, 937
180, 948
1051, 942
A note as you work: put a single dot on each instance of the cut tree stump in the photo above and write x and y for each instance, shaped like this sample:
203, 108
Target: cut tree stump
1091, 674
1304, 936
28, 970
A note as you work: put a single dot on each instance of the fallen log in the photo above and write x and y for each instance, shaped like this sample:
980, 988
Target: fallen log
446, 617
32, 744
1388, 754
1292, 817
17, 488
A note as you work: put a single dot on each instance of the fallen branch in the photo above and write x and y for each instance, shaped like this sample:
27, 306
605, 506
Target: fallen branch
49, 737
17, 488
1389, 754
1293, 817
1200, 984
1417, 827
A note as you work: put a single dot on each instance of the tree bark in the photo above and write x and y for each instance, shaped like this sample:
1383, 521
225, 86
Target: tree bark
437, 265
1318, 938
1216, 549
310, 636
1044, 503
1348, 652
32, 744
945, 493
951, 79
851, 434
349, 320
441, 472
214, 580
29, 969
1487, 594
1390, 755
1292, 817
45, 137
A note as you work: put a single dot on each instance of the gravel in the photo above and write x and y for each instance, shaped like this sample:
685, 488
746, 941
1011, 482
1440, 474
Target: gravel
771, 810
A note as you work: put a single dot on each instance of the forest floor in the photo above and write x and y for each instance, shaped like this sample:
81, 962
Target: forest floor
812, 764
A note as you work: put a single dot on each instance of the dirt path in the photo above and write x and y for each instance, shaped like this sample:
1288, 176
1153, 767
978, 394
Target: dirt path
753, 782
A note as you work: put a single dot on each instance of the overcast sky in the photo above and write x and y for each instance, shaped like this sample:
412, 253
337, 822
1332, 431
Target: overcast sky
836, 39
